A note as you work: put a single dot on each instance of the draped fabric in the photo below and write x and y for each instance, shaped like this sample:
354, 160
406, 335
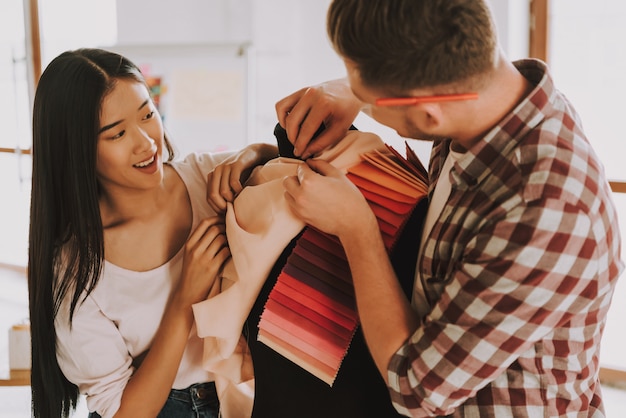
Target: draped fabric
259, 225
310, 316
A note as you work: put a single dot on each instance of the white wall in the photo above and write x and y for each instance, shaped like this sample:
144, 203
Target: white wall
292, 51
512, 20
183, 21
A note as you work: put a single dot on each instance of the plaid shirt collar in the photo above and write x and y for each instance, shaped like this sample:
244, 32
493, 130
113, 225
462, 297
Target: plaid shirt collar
474, 166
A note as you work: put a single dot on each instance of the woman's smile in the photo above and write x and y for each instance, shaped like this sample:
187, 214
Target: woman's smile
148, 166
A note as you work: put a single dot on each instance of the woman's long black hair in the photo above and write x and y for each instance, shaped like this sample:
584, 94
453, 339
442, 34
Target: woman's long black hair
66, 244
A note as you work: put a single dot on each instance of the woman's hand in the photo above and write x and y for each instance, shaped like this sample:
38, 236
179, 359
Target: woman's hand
302, 113
226, 180
206, 252
204, 256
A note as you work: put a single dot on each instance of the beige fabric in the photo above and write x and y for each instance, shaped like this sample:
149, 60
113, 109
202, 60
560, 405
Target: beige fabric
259, 225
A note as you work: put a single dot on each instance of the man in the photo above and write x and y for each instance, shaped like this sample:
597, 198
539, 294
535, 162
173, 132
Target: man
519, 253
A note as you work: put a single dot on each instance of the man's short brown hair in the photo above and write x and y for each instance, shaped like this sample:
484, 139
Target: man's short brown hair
410, 44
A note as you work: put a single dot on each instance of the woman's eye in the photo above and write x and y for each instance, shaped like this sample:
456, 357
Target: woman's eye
119, 135
150, 115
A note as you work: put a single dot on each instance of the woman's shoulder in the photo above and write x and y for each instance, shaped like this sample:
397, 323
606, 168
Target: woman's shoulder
193, 171
199, 164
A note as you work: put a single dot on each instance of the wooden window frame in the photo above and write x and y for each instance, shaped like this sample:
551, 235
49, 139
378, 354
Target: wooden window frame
538, 31
33, 40
33, 57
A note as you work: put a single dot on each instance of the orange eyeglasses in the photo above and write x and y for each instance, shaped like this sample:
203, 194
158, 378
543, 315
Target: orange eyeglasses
410, 101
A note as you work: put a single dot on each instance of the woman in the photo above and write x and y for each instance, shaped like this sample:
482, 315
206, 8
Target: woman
122, 243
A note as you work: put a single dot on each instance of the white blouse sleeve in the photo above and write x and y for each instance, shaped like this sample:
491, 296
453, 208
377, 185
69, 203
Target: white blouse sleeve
92, 354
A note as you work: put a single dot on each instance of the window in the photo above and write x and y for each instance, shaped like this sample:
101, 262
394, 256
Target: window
15, 122
588, 60
584, 49
96, 22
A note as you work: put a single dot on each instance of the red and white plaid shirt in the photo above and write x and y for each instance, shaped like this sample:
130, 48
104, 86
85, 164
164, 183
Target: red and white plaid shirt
519, 268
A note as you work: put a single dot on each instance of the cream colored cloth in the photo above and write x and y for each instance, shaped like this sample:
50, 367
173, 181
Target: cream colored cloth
259, 225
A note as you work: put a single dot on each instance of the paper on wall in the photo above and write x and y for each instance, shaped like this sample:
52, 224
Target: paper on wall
200, 94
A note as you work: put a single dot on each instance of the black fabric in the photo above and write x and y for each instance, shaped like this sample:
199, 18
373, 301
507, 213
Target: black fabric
285, 390
285, 148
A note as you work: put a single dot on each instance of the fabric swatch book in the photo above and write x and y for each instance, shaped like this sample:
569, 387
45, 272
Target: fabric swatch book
310, 316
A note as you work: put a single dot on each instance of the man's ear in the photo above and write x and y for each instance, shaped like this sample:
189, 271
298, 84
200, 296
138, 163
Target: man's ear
430, 114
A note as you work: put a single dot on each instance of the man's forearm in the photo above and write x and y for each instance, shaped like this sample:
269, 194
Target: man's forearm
386, 315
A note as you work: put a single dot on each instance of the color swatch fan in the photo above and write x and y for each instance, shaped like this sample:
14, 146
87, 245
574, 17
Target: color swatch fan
310, 316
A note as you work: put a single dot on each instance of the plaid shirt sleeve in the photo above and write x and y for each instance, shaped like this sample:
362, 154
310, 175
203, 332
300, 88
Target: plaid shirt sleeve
521, 267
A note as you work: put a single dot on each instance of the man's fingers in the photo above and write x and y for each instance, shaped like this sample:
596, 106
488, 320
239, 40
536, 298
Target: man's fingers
286, 105
321, 167
326, 138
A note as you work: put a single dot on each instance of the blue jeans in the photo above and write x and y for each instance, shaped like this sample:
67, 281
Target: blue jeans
197, 401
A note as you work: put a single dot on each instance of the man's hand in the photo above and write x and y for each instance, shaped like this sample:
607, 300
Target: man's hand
323, 197
302, 113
